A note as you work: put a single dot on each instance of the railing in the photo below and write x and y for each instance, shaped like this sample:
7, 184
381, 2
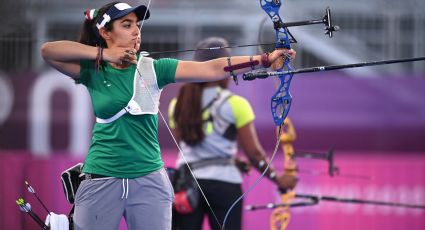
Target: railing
369, 30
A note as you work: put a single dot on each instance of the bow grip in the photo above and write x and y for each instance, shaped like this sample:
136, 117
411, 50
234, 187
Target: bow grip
279, 63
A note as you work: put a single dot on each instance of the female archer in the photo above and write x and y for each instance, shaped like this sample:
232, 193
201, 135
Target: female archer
124, 171
209, 121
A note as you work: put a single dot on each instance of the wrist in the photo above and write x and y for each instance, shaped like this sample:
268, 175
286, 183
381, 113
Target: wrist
99, 58
272, 176
99, 54
105, 54
265, 62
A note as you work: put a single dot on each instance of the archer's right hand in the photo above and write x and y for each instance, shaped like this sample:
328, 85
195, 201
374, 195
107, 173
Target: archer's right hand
120, 56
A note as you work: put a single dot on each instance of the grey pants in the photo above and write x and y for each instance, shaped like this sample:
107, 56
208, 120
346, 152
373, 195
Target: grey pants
145, 203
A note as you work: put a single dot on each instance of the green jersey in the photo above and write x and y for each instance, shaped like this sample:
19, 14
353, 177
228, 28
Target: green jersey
127, 147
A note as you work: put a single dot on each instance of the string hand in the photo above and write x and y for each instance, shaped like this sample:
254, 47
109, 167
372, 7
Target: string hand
122, 57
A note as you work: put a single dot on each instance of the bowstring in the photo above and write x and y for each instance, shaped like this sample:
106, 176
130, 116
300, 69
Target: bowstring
250, 188
180, 151
171, 133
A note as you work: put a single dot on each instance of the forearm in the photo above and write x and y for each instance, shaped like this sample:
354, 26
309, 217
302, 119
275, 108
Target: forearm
260, 161
248, 140
67, 51
232, 66
215, 69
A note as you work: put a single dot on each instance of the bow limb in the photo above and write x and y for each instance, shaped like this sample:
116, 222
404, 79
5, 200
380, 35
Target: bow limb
281, 216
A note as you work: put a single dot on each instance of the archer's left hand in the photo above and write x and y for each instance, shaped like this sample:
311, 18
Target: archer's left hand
278, 57
284, 181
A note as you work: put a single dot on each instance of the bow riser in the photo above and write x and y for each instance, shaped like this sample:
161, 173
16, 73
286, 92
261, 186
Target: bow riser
281, 100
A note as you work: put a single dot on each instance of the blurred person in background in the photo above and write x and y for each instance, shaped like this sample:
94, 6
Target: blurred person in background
209, 122
124, 171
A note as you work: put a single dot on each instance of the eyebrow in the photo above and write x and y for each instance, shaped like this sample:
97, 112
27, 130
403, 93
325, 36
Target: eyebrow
127, 20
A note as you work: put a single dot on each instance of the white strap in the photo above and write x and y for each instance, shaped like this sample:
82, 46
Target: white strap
57, 221
113, 118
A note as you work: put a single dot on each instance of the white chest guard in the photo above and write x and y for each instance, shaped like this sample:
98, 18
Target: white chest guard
146, 93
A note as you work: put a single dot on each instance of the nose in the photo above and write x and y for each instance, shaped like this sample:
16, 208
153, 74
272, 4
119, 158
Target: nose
136, 31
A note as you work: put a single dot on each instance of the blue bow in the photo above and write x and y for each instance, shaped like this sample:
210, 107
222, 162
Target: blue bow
282, 99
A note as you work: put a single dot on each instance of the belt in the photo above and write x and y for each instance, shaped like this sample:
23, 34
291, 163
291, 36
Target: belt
89, 176
212, 161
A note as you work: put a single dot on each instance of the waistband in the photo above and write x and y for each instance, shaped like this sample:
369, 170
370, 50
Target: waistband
90, 176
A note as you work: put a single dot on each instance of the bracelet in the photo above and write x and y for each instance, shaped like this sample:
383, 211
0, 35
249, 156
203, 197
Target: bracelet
272, 176
261, 164
265, 60
101, 54
98, 53
98, 58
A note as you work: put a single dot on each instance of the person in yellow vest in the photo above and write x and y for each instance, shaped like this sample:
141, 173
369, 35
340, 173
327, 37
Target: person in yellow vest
209, 122
124, 171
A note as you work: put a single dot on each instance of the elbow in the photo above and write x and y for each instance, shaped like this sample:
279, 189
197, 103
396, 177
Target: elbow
218, 75
214, 73
46, 49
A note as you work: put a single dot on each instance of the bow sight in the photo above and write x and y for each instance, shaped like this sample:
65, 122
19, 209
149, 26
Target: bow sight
326, 20
329, 28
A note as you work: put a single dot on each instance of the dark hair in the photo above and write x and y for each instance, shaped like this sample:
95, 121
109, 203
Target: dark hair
188, 110
205, 55
89, 34
188, 113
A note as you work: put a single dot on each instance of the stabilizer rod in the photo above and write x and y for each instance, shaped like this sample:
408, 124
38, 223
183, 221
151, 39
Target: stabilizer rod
253, 76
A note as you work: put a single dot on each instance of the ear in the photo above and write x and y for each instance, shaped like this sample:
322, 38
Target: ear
104, 34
